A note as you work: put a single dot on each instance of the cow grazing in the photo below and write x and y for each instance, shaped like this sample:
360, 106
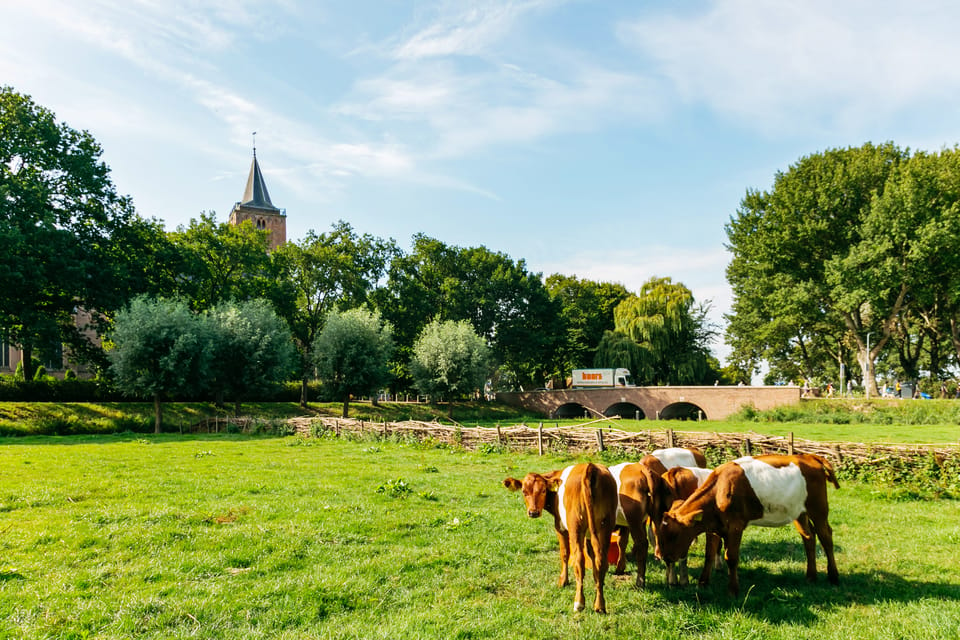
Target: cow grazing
583, 502
637, 487
676, 485
770, 491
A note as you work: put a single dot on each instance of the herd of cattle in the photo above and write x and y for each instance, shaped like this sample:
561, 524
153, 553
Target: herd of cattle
671, 491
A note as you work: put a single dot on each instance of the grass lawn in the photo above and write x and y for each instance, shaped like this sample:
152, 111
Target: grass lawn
228, 536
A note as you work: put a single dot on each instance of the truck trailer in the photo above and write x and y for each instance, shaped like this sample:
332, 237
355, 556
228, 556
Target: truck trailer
598, 378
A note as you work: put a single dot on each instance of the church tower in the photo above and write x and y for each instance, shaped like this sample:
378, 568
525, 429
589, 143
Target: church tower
257, 208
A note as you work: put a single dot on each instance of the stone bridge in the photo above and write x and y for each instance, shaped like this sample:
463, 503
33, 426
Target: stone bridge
652, 403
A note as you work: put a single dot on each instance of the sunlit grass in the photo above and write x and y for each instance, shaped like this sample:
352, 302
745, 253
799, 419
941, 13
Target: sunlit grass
230, 536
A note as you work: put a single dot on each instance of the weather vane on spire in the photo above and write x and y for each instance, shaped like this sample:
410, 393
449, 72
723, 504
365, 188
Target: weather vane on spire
254, 144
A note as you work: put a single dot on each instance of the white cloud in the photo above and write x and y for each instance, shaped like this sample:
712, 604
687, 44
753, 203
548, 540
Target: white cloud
792, 65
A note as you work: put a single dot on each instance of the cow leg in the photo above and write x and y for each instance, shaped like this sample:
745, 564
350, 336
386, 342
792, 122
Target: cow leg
805, 528
640, 549
825, 535
711, 558
732, 542
564, 539
684, 574
578, 568
601, 563
622, 541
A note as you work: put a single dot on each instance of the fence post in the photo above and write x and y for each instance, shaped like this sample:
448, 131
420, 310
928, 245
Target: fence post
540, 438
600, 440
637, 415
336, 427
499, 438
790, 444
748, 448
670, 441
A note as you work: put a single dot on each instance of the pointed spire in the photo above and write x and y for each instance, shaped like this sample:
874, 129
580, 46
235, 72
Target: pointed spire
256, 194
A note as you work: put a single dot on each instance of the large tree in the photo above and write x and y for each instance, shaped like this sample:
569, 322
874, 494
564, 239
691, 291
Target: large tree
351, 354
69, 240
670, 335
334, 269
799, 287
223, 261
161, 349
586, 313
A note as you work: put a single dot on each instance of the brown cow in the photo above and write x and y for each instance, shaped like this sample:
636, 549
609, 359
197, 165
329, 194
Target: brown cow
638, 486
676, 485
582, 500
769, 490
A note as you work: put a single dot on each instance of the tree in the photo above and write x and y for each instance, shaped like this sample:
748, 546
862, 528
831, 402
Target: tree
449, 360
334, 269
223, 262
671, 333
252, 349
504, 303
586, 314
351, 354
69, 240
160, 349
800, 290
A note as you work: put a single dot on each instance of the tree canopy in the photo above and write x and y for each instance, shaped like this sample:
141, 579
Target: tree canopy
449, 360
70, 241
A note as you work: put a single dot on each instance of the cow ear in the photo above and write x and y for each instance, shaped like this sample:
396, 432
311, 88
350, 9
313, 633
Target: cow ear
512, 484
554, 484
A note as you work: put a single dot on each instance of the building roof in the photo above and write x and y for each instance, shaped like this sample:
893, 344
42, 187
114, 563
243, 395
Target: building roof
256, 194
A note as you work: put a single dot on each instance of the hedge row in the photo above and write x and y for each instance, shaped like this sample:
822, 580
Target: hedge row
99, 391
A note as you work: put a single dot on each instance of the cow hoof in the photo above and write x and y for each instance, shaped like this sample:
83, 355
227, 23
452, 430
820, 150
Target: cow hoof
577, 607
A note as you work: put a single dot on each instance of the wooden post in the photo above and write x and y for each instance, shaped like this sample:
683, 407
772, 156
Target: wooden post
670, 441
540, 438
747, 447
336, 427
790, 444
499, 438
600, 446
637, 415
361, 427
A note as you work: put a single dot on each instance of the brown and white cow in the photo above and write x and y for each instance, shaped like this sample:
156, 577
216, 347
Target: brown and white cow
638, 486
583, 502
769, 490
676, 485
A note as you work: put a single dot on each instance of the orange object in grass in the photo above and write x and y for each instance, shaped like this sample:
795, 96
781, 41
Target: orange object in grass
613, 553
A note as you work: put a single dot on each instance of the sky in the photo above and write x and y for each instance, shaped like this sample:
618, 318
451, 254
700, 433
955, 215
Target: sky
611, 140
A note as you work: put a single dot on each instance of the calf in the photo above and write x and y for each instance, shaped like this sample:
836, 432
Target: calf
770, 491
637, 488
582, 500
676, 485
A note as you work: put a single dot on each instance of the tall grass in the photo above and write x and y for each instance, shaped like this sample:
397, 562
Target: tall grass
228, 536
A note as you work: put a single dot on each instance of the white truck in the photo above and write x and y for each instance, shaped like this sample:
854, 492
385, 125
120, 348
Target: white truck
596, 378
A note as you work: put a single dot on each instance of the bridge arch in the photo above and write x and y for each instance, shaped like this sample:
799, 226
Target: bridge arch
682, 411
626, 410
570, 410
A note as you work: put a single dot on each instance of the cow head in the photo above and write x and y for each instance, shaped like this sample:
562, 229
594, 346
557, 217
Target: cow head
675, 535
536, 490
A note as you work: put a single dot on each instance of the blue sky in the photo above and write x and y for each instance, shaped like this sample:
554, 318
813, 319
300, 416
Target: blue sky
609, 140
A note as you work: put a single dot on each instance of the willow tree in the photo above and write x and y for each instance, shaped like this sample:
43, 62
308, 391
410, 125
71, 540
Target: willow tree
669, 333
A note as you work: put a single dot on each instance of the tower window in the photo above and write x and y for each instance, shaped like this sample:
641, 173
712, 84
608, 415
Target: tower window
261, 223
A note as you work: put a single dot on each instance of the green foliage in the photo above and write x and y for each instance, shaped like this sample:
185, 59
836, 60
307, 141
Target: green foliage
351, 354
69, 239
449, 360
504, 303
251, 349
662, 334
395, 488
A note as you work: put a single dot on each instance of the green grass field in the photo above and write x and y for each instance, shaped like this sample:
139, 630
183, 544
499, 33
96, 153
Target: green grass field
228, 536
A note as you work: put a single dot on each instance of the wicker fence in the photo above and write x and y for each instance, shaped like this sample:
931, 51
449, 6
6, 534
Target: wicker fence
600, 436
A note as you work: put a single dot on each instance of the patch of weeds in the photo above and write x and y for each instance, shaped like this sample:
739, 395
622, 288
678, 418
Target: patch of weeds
202, 454
428, 495
395, 488
428, 469
371, 450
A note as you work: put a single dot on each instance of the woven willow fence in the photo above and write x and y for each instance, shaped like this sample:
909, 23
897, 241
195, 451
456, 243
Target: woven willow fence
599, 436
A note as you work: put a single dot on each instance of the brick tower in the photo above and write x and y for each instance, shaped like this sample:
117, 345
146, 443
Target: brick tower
257, 208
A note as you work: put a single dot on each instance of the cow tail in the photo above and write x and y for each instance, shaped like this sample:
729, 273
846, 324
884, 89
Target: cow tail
590, 477
828, 471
